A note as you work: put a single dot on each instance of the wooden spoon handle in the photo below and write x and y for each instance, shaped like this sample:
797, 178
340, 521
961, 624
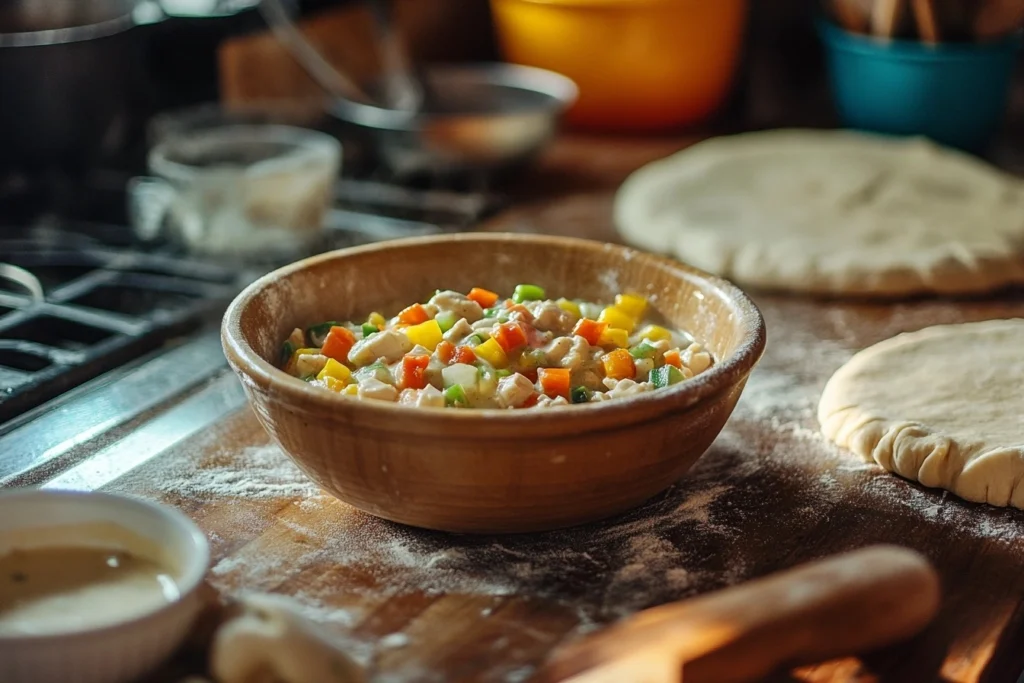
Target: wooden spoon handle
886, 17
846, 604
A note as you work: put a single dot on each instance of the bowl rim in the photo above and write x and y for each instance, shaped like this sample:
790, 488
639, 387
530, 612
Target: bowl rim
192, 575
560, 90
722, 375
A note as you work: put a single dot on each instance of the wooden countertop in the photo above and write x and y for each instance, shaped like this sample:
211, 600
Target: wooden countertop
769, 494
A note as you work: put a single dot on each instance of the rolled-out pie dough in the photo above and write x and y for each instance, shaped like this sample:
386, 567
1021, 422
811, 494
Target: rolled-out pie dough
830, 212
943, 406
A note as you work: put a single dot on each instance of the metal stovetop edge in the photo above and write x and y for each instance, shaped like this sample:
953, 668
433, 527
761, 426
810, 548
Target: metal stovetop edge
51, 432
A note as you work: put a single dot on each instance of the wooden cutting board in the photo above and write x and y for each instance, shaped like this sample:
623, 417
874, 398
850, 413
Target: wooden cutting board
771, 493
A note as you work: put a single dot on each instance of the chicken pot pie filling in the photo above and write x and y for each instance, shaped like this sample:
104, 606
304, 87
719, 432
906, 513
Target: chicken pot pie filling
479, 350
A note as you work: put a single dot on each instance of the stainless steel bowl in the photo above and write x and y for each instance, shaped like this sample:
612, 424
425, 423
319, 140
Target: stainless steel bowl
480, 117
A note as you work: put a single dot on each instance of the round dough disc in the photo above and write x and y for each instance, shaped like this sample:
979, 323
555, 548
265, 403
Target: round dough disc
943, 406
830, 212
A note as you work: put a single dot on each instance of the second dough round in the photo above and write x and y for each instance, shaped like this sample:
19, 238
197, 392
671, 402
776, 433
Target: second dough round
943, 406
831, 212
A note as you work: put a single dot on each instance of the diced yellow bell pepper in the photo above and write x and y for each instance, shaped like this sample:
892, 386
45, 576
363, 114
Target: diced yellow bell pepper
655, 333
569, 307
335, 370
617, 318
618, 364
632, 304
614, 337
492, 352
377, 320
351, 390
335, 385
427, 334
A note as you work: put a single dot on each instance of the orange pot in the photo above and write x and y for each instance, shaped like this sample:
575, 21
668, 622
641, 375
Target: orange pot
639, 64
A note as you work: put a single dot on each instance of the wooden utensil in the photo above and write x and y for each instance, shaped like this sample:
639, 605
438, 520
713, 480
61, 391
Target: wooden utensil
853, 15
926, 20
846, 604
885, 17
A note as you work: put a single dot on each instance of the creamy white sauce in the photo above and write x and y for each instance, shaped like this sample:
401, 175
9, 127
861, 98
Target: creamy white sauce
62, 589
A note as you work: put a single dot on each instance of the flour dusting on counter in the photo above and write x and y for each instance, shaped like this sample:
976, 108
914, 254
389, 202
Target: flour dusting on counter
256, 472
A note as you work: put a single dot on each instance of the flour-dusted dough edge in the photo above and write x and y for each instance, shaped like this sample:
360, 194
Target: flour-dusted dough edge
945, 272
914, 450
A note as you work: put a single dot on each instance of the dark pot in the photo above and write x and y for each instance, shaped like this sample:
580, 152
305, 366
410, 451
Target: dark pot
67, 71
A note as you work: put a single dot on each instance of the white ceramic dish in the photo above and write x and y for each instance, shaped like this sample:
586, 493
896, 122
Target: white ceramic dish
128, 649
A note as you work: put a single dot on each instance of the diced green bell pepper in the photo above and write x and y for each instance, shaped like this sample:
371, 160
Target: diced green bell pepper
580, 395
643, 350
455, 395
666, 376
287, 351
369, 330
528, 293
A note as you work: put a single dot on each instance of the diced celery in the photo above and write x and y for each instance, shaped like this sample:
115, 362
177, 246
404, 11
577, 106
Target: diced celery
447, 320
455, 395
643, 350
474, 340
528, 293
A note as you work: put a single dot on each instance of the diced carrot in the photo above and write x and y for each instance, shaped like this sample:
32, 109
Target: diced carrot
523, 311
510, 336
338, 342
618, 364
590, 330
414, 315
414, 369
554, 381
484, 297
464, 355
445, 352
531, 401
672, 358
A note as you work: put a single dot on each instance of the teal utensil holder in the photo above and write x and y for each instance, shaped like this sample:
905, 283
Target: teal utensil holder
955, 94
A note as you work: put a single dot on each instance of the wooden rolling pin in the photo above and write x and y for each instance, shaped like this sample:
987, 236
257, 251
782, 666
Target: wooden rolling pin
842, 605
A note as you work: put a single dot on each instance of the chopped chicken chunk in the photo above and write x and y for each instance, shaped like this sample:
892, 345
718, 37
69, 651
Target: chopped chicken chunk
371, 387
459, 304
548, 402
429, 397
548, 316
514, 390
390, 345
696, 359
459, 331
309, 364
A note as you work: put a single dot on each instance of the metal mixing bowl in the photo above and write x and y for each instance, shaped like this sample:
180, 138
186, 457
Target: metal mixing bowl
480, 117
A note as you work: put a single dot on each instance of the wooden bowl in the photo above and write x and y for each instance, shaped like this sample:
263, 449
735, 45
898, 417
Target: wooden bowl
490, 471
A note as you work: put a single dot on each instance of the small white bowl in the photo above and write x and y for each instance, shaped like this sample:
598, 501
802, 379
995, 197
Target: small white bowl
125, 650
